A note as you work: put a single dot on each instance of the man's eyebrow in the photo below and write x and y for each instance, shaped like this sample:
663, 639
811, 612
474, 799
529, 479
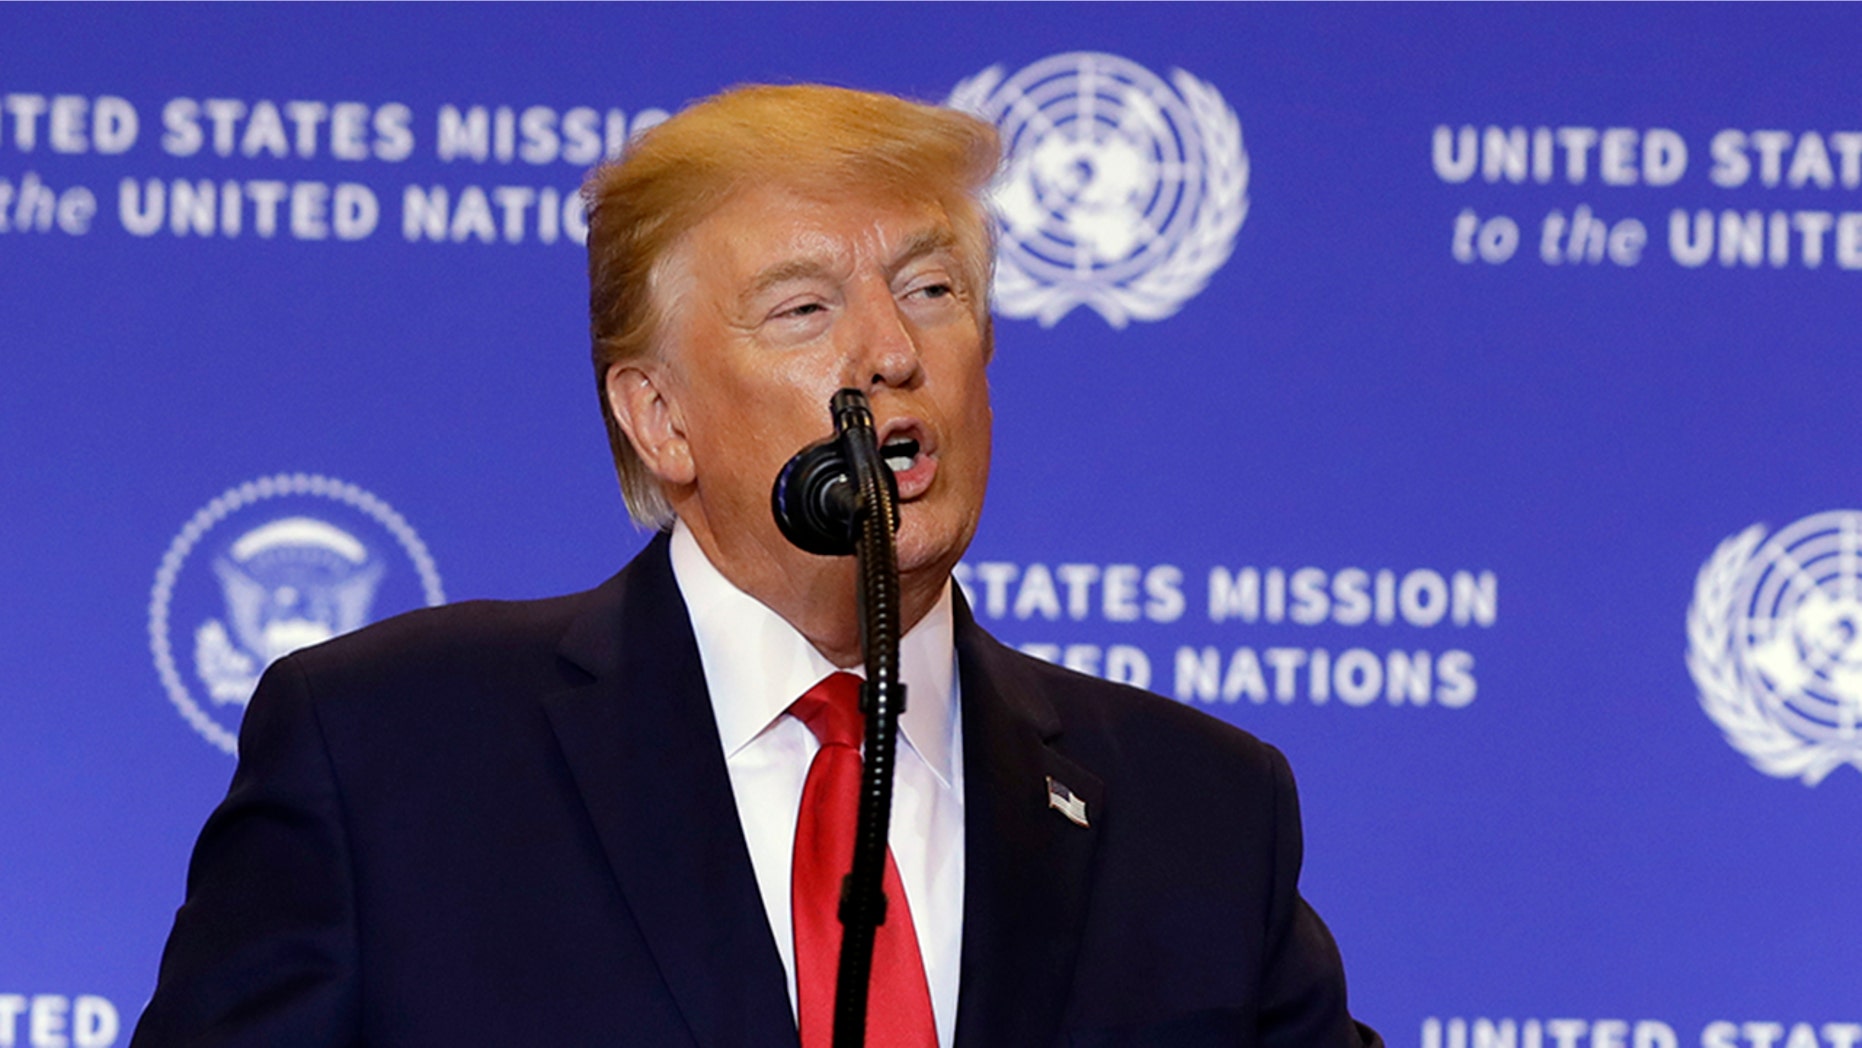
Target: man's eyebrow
918, 245
793, 269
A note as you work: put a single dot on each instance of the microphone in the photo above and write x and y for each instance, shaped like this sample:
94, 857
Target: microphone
816, 499
834, 498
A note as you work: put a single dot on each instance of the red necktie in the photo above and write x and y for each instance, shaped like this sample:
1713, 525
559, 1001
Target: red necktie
898, 1011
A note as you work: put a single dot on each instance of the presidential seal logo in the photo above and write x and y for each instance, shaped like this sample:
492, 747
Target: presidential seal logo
1775, 644
1119, 192
268, 567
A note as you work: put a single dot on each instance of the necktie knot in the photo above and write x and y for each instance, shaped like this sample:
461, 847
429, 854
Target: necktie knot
831, 709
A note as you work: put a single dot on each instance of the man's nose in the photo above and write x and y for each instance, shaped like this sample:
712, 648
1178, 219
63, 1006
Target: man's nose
885, 350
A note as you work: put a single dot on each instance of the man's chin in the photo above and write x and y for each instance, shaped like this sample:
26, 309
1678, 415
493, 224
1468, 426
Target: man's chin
929, 554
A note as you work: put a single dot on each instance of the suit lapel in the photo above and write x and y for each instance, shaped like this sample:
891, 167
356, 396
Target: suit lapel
642, 744
1027, 865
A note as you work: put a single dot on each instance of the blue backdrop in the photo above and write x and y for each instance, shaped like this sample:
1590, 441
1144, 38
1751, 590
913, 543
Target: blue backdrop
1464, 399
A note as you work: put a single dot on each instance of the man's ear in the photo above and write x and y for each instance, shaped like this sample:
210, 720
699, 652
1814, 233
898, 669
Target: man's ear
639, 396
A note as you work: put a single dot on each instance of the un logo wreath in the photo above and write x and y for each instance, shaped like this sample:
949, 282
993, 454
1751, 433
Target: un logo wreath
1731, 693
1170, 250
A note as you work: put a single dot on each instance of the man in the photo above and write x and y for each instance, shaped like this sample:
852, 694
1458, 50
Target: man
595, 819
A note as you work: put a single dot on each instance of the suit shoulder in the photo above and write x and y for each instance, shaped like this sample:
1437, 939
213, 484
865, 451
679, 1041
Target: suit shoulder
452, 642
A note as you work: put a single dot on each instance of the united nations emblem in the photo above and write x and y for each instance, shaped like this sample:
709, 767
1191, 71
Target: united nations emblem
290, 560
1117, 192
1775, 644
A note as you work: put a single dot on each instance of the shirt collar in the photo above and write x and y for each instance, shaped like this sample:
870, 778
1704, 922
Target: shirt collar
756, 664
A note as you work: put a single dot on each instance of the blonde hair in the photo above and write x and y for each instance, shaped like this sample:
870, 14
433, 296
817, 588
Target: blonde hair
807, 137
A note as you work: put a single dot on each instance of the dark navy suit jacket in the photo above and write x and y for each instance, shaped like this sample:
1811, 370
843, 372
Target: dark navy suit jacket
511, 824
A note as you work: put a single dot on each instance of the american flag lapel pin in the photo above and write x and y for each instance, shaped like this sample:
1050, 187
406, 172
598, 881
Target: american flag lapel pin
1062, 800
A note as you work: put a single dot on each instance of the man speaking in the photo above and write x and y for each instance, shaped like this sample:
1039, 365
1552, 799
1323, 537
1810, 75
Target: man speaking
618, 817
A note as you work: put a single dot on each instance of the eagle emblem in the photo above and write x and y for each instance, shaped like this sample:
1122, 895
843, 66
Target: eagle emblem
288, 584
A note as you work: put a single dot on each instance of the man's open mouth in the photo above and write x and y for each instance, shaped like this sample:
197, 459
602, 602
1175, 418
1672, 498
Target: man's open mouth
899, 453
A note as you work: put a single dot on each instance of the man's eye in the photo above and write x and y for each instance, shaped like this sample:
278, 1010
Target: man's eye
935, 290
803, 310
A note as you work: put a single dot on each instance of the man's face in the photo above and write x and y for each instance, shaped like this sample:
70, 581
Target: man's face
777, 300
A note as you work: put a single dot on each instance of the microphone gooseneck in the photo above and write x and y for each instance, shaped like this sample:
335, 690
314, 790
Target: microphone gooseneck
834, 498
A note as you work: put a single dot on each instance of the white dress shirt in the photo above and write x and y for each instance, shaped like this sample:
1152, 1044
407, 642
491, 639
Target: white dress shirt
756, 664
